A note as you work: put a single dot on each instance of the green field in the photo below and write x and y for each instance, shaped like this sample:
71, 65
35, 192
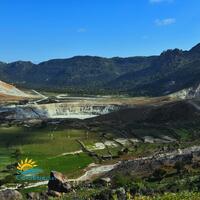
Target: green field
49, 145
45, 146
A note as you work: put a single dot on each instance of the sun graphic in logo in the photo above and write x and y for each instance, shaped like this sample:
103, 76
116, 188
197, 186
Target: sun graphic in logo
26, 164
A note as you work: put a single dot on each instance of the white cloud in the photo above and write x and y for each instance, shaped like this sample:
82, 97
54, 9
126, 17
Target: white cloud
160, 1
165, 22
81, 30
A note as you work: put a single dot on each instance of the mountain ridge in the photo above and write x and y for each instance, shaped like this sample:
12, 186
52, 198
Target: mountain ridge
171, 71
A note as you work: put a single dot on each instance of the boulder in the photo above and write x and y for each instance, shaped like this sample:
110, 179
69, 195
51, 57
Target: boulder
105, 181
58, 182
10, 195
37, 196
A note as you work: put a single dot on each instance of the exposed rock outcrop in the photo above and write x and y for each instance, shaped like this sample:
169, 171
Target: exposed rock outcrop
59, 183
10, 195
10, 90
57, 110
189, 93
144, 166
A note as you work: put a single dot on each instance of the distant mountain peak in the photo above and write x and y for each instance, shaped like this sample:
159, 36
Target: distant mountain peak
172, 52
196, 48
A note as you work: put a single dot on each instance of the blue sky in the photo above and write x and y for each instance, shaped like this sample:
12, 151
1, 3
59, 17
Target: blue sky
39, 30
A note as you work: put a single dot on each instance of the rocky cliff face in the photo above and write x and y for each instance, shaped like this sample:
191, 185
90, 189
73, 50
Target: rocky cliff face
81, 111
189, 93
58, 110
7, 89
194, 92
